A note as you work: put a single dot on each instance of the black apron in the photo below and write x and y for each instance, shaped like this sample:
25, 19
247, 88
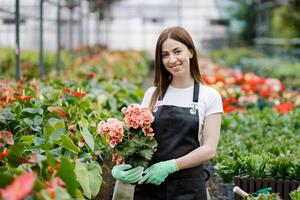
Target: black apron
176, 132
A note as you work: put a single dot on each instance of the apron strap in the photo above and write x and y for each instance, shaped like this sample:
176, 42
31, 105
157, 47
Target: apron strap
196, 92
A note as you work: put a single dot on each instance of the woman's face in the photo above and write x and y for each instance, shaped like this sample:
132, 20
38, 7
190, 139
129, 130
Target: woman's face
176, 58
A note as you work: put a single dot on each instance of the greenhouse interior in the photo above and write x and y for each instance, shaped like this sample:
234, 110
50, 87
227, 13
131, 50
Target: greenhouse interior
158, 100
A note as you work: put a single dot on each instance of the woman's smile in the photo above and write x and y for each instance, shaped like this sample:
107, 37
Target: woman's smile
176, 68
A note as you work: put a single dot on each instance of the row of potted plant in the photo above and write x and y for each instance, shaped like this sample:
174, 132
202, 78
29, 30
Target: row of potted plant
260, 128
241, 91
29, 62
48, 131
246, 59
261, 144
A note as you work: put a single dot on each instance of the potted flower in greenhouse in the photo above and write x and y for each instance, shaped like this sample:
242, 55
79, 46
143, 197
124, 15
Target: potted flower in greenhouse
132, 142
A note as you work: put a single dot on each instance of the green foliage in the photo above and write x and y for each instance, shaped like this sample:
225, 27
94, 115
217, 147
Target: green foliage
232, 56
285, 22
272, 196
295, 195
29, 62
259, 144
67, 174
243, 12
138, 151
68, 137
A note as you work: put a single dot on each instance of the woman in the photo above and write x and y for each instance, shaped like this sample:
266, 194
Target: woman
186, 126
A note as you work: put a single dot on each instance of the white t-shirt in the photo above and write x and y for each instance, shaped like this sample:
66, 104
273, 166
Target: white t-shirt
209, 101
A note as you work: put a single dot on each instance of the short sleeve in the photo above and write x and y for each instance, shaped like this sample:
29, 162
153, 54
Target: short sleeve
147, 97
214, 103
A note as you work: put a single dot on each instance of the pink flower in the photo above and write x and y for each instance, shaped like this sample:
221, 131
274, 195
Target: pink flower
273, 83
103, 127
20, 187
117, 158
137, 116
248, 99
6, 137
113, 130
148, 131
147, 116
129, 138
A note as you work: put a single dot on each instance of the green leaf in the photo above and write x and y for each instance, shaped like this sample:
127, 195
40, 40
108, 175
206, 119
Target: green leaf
30, 92
33, 110
146, 153
88, 138
15, 152
68, 143
7, 115
6, 178
61, 193
27, 139
54, 129
83, 178
95, 179
127, 148
67, 174
28, 121
37, 120
50, 159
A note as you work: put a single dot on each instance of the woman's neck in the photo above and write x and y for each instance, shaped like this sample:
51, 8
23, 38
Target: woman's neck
182, 83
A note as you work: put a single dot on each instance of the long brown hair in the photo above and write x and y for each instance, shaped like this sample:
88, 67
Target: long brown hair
162, 77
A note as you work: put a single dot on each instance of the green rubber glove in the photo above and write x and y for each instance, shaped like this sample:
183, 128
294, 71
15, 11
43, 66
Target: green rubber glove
126, 174
158, 172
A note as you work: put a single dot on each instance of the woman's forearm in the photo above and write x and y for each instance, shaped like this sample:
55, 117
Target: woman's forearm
196, 157
211, 134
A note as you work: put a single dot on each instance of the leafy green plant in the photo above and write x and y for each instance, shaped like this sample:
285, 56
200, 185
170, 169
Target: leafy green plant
295, 195
54, 124
272, 196
260, 144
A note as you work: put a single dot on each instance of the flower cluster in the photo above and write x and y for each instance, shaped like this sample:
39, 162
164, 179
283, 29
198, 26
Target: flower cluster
137, 116
132, 141
113, 130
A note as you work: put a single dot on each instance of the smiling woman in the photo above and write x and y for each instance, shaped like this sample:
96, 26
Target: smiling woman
187, 120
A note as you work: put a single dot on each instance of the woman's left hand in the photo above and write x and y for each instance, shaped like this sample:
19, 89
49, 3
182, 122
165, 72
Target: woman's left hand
158, 172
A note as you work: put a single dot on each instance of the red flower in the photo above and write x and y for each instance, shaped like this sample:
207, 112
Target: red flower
20, 187
265, 92
209, 80
228, 108
238, 78
4, 153
75, 93
31, 160
246, 88
225, 102
284, 107
66, 90
55, 167
24, 98
90, 75
233, 100
57, 110
219, 78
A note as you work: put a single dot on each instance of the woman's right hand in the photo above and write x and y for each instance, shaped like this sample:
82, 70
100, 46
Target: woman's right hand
126, 174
